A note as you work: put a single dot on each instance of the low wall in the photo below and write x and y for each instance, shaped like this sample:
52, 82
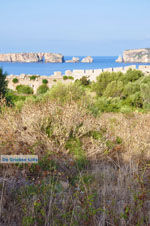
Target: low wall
76, 74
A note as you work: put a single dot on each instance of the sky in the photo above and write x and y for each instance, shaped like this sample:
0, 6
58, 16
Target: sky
74, 28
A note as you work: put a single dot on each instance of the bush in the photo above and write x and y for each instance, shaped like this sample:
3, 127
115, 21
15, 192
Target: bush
103, 104
42, 89
54, 80
33, 77
15, 80
134, 100
114, 89
44, 81
145, 93
132, 75
3, 83
66, 93
102, 81
85, 81
131, 88
71, 77
13, 98
65, 77
24, 89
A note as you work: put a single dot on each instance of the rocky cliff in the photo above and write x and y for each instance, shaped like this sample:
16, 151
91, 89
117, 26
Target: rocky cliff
135, 55
32, 57
53, 58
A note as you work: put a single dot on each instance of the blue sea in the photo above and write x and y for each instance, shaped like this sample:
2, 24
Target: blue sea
49, 68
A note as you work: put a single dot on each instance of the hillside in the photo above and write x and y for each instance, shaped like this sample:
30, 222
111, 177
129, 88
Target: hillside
92, 140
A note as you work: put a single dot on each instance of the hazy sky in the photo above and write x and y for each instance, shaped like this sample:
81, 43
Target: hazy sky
80, 27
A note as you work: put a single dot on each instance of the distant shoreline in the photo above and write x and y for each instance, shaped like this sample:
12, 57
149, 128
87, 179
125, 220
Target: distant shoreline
48, 69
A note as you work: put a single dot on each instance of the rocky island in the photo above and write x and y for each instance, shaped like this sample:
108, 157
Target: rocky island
135, 55
40, 57
32, 57
74, 60
87, 59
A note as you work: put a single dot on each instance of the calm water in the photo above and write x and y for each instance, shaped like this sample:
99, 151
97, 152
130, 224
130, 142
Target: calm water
49, 68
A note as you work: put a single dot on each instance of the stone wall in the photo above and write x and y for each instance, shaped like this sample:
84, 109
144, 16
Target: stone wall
76, 74
93, 73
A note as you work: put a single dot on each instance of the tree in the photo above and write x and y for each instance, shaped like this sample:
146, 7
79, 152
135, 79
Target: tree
3, 83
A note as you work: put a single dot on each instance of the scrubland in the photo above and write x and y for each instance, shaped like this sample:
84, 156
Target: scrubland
93, 144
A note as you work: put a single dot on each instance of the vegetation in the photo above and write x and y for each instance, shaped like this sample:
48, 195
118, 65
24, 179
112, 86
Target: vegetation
85, 81
3, 83
33, 77
92, 141
44, 81
42, 89
65, 77
118, 92
24, 89
15, 80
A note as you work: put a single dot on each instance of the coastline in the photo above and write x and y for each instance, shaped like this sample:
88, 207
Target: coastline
48, 69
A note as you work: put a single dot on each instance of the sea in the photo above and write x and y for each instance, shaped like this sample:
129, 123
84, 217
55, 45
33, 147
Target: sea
42, 68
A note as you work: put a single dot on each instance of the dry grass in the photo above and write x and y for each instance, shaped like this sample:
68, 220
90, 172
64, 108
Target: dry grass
113, 187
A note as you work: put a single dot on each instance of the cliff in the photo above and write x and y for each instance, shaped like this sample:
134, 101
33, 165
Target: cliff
32, 57
135, 55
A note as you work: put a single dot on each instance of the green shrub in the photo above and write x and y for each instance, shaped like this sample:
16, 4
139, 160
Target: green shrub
44, 81
74, 145
54, 80
145, 93
125, 109
132, 75
42, 89
134, 100
33, 77
85, 81
114, 89
71, 77
102, 81
24, 89
145, 79
13, 98
3, 83
131, 88
65, 77
66, 92
15, 80
103, 104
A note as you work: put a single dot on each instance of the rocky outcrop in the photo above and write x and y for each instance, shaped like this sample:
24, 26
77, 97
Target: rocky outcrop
119, 59
32, 57
87, 59
53, 58
74, 60
135, 55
